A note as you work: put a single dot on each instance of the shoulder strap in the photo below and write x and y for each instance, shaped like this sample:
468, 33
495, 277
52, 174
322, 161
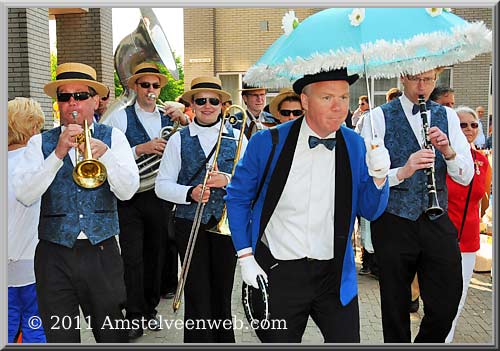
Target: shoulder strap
466, 204
202, 166
275, 140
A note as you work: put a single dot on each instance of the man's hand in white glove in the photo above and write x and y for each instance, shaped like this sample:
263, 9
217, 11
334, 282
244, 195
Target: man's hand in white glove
377, 158
250, 269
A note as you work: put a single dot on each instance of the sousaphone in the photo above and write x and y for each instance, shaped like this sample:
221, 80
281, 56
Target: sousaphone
147, 43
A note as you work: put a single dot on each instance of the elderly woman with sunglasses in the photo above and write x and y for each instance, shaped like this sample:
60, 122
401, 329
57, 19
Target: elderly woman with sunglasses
208, 286
463, 204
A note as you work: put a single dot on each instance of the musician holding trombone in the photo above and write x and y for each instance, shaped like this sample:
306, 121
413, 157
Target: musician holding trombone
415, 234
188, 157
77, 260
144, 218
296, 232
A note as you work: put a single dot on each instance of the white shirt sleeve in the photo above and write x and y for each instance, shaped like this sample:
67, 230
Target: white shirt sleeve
34, 174
461, 168
166, 186
123, 173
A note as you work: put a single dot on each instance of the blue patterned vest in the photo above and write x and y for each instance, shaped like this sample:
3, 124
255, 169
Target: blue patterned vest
193, 157
67, 209
409, 199
136, 134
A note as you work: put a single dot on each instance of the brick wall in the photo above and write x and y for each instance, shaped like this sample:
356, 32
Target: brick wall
87, 38
29, 56
233, 38
471, 79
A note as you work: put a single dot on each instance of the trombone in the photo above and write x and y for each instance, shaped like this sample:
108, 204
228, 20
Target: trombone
88, 173
226, 117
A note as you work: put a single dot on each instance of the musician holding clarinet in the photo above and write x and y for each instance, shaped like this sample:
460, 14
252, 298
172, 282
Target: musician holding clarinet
144, 218
415, 234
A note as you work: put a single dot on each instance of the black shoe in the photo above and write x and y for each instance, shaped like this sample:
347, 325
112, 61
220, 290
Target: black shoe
168, 296
153, 323
364, 271
135, 333
414, 305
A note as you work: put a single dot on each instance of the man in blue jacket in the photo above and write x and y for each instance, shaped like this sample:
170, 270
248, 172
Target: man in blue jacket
296, 231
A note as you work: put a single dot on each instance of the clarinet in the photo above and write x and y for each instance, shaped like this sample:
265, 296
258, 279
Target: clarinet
433, 210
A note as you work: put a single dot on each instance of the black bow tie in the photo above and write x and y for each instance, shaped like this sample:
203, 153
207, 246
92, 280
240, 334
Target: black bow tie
416, 108
314, 141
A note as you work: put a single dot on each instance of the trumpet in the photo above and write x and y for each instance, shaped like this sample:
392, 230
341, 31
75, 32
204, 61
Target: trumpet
222, 227
88, 173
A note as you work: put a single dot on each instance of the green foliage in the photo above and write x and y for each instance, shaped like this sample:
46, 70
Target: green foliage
171, 90
53, 65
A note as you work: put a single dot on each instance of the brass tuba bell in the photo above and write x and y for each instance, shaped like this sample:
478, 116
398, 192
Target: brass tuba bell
88, 172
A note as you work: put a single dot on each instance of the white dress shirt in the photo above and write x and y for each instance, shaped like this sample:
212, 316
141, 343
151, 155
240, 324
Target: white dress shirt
166, 186
34, 174
460, 169
151, 121
302, 223
22, 231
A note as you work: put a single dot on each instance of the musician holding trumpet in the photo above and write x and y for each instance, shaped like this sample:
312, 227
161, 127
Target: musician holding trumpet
183, 179
415, 234
77, 260
144, 218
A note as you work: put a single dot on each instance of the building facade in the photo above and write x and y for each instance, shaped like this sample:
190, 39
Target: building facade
225, 42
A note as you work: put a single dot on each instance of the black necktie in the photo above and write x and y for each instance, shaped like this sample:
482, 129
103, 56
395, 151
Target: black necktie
416, 108
315, 141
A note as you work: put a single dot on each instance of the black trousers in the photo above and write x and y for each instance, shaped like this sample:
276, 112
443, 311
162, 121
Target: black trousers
143, 240
169, 276
209, 284
302, 288
429, 248
87, 276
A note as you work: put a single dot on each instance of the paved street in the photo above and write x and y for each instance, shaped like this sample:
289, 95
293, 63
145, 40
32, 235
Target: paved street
474, 326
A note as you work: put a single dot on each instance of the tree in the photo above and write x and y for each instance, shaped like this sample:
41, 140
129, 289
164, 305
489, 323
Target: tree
171, 90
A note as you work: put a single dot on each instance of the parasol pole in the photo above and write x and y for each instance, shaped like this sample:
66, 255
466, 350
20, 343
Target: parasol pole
368, 93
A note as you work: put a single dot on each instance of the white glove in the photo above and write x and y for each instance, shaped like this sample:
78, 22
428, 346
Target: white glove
250, 269
378, 160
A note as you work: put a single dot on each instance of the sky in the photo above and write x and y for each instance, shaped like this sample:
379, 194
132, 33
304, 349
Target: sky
125, 21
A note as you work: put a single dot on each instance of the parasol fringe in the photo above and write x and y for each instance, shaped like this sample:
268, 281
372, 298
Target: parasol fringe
388, 58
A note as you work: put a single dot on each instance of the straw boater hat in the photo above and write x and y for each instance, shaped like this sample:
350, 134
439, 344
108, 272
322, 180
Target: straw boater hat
75, 73
146, 69
247, 87
206, 84
276, 101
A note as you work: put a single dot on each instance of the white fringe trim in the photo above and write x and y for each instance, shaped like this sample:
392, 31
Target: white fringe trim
384, 59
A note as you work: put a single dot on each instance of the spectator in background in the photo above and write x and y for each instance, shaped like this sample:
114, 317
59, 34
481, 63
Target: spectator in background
25, 118
480, 140
392, 94
226, 104
363, 106
444, 96
489, 141
103, 106
188, 109
463, 205
286, 106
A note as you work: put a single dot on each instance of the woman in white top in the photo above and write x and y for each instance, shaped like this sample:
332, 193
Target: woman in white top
26, 118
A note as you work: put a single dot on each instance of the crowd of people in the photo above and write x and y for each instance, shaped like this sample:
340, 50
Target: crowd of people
293, 183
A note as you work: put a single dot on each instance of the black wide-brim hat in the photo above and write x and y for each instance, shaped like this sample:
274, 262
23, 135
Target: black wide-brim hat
336, 74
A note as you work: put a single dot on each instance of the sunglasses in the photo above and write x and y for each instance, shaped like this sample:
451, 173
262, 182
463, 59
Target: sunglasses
473, 125
146, 85
296, 113
78, 96
203, 101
